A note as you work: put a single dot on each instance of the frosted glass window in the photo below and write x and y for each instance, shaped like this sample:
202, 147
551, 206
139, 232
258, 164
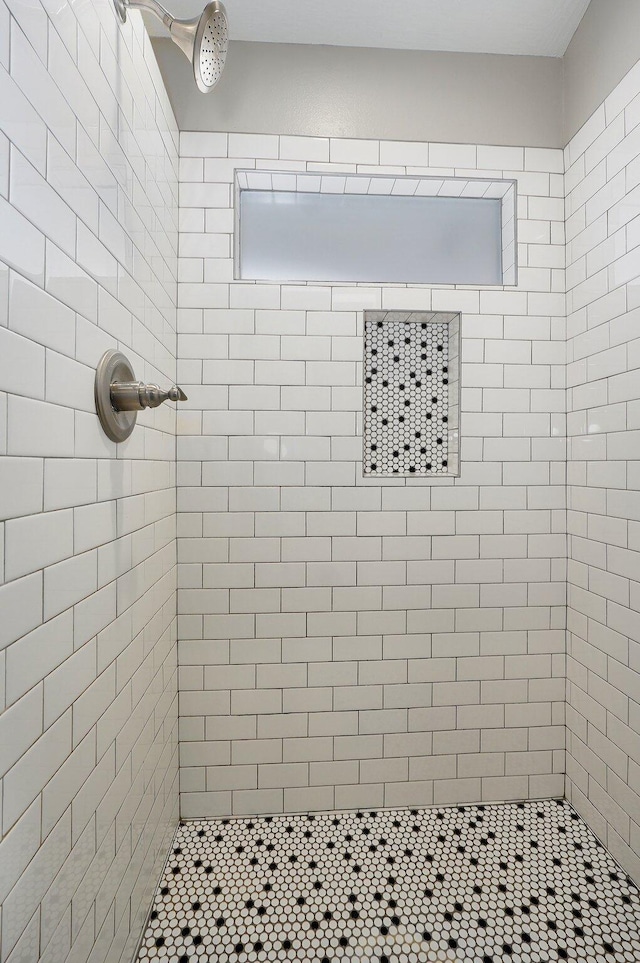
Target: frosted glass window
322, 236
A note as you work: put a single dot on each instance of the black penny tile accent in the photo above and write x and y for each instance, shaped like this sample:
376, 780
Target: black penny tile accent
515, 883
406, 397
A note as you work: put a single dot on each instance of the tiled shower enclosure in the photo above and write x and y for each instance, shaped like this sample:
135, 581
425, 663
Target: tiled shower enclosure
371, 675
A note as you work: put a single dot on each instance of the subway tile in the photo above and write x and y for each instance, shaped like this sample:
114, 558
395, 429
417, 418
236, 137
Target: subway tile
68, 582
21, 365
453, 155
310, 799
35, 314
34, 883
40, 204
35, 767
22, 246
282, 775
21, 602
203, 144
345, 151
304, 148
37, 541
253, 145
359, 796
250, 801
501, 158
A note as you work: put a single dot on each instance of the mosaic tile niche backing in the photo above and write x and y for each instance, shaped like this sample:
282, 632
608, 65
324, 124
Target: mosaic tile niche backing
515, 883
408, 391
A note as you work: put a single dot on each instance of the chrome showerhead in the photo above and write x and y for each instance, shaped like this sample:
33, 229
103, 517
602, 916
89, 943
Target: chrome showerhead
203, 40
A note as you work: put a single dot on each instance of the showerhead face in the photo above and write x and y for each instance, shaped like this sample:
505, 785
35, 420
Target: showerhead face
210, 48
203, 40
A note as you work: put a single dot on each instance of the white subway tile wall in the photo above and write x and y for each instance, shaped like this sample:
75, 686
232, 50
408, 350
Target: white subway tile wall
346, 641
88, 668
603, 286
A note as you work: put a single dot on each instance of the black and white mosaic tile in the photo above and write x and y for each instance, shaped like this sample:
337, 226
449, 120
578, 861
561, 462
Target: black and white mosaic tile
525, 883
406, 395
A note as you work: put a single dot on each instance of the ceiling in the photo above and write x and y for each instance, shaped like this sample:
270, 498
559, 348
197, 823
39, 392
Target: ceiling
534, 27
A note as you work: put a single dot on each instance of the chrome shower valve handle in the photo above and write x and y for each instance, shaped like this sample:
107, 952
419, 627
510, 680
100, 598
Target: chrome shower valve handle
136, 396
119, 397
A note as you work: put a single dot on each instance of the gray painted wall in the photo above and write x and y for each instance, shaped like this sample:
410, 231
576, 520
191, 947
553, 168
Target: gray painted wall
413, 95
365, 93
604, 48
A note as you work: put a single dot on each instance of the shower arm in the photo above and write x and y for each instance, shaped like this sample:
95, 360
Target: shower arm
151, 6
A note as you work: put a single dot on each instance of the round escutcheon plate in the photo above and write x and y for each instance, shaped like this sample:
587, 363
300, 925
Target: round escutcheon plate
113, 366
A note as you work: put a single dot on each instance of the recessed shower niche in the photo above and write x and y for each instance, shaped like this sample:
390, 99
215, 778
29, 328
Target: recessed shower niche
411, 393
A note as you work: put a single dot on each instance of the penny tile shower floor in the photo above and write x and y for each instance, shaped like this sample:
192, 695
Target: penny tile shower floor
517, 882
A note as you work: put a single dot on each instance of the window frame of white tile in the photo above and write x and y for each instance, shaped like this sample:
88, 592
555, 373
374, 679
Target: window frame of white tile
453, 322
383, 185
